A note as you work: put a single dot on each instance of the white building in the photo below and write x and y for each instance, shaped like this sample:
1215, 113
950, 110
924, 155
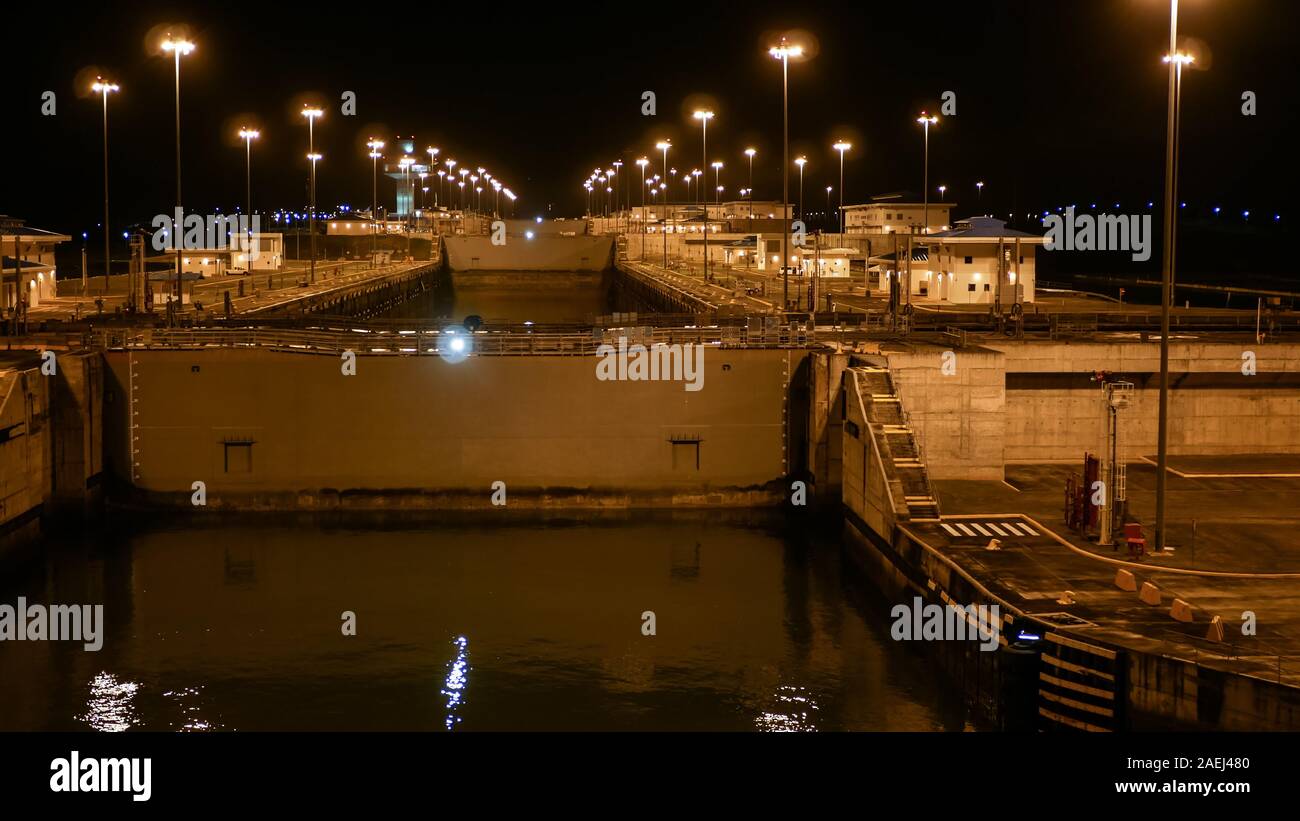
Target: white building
30, 252
978, 261
896, 214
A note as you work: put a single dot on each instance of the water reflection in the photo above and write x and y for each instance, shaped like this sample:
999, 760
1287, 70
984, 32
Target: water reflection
760, 626
109, 709
457, 681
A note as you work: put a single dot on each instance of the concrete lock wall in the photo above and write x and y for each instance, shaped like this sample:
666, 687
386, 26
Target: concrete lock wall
519, 253
24, 454
255, 425
1054, 413
958, 412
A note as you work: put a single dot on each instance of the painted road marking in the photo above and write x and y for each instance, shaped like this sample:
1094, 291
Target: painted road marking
988, 528
997, 529
965, 529
952, 531
981, 530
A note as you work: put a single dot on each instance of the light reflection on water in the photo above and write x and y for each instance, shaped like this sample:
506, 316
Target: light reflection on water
772, 630
457, 681
109, 707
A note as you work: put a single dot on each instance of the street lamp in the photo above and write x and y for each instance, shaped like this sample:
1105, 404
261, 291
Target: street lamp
717, 178
1176, 61
374, 145
704, 116
433, 162
104, 88
664, 145
783, 52
942, 189
178, 48
841, 147
643, 162
801, 162
926, 122
248, 135
750, 152
979, 192
312, 113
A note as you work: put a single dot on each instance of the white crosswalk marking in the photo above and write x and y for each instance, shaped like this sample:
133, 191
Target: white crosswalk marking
1001, 527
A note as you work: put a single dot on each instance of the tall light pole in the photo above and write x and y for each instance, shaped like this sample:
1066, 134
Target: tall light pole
979, 192
312, 114
1176, 62
926, 122
842, 146
248, 135
643, 162
750, 152
178, 48
433, 153
104, 89
311, 213
704, 116
801, 162
664, 145
783, 52
717, 181
375, 145
942, 190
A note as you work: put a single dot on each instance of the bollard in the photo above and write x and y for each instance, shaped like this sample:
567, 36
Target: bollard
1181, 611
1215, 633
1125, 580
1150, 594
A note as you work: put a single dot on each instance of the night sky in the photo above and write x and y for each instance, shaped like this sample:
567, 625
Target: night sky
1057, 102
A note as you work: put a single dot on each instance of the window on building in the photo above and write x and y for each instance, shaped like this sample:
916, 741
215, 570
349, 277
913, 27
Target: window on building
970, 287
969, 260
986, 286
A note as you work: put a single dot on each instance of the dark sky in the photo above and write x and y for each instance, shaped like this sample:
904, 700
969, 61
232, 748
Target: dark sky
1057, 102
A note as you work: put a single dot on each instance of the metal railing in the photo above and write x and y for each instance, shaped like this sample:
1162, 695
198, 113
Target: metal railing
419, 342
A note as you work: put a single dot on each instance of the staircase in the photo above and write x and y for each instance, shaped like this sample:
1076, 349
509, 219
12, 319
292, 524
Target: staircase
897, 442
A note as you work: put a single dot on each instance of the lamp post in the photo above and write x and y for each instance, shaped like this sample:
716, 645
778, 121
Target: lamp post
374, 145
942, 189
178, 48
926, 122
783, 52
433, 153
717, 180
664, 145
104, 89
312, 114
979, 192
248, 135
704, 116
801, 162
841, 147
311, 214
643, 162
1176, 62
750, 152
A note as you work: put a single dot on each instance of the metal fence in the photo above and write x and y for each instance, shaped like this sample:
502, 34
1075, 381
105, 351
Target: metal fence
419, 342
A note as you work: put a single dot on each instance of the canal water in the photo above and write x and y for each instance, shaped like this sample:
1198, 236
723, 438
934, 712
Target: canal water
521, 303
467, 624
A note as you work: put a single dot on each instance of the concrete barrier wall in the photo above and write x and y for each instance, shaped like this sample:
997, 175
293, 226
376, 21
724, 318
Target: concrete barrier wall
260, 424
1217, 411
960, 419
541, 253
25, 468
